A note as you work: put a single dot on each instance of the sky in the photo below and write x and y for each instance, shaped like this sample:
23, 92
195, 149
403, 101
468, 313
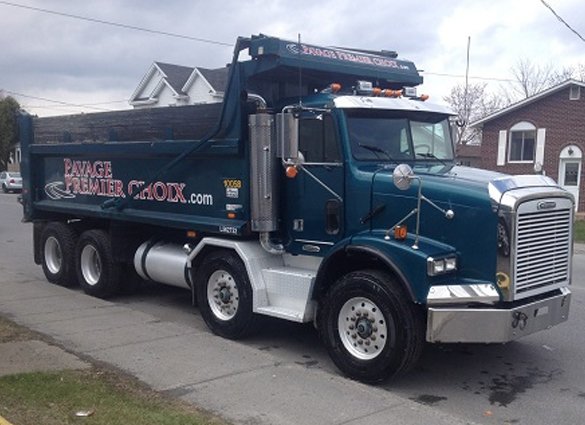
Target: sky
50, 62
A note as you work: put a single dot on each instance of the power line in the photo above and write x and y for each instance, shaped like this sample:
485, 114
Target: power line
117, 24
439, 74
60, 102
562, 20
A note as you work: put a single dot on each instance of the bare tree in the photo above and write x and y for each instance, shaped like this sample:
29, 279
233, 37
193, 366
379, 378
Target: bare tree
471, 104
531, 78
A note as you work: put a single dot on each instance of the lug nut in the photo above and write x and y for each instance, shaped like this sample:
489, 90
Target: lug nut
360, 342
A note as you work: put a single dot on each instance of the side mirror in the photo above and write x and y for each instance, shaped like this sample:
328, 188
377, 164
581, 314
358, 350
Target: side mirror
402, 176
287, 133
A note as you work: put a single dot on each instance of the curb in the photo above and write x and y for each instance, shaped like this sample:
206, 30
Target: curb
4, 421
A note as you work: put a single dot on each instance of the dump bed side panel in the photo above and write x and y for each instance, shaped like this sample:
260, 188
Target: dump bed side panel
78, 163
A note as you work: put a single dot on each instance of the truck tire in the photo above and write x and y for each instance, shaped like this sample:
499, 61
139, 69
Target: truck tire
371, 329
224, 295
97, 272
58, 253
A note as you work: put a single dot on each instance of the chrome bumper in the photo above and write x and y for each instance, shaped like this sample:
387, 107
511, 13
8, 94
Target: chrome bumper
488, 325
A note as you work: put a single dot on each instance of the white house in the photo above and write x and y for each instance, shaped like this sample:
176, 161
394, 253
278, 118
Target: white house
166, 84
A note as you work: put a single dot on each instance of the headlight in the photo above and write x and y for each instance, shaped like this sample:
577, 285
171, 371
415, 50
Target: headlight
437, 266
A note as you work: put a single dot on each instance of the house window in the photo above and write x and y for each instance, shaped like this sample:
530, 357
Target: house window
575, 93
522, 142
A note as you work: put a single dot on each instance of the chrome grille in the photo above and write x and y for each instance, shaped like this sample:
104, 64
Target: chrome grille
543, 248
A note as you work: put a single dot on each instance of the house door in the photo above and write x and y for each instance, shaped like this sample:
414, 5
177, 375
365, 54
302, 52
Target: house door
570, 171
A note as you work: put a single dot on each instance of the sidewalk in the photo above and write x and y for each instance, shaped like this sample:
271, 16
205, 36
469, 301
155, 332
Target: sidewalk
241, 384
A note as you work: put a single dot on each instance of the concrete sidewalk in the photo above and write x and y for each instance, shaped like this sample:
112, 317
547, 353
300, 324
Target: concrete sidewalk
242, 384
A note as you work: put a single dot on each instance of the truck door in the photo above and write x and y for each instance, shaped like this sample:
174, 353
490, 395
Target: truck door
314, 204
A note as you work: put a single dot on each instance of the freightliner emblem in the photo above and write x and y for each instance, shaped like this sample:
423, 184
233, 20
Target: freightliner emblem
548, 205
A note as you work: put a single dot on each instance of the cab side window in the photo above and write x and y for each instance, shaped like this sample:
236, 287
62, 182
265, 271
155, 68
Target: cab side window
318, 140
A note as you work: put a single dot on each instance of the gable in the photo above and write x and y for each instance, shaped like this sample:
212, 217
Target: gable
562, 90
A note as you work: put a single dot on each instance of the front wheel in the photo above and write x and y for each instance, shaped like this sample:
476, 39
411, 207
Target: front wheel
224, 295
97, 272
371, 329
4, 188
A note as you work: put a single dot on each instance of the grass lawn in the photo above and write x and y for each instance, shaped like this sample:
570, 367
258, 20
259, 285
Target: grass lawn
579, 231
108, 396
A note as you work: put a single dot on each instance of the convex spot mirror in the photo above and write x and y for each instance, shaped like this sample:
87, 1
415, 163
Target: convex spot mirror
402, 176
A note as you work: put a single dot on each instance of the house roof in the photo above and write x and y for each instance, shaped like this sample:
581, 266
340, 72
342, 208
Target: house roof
216, 77
527, 101
176, 75
178, 78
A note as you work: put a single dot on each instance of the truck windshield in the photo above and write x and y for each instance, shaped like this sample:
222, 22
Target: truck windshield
389, 136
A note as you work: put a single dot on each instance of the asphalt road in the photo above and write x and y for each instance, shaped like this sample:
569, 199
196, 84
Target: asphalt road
537, 380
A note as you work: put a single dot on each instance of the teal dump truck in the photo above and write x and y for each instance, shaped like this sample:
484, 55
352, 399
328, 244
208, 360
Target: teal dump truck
323, 189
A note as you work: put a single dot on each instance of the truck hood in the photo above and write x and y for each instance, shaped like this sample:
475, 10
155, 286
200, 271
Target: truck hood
463, 190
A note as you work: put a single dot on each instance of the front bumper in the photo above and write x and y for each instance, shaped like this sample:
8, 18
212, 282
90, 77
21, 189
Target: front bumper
496, 325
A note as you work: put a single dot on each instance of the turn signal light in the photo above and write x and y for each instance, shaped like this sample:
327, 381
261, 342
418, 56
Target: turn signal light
400, 233
231, 215
191, 234
291, 171
335, 87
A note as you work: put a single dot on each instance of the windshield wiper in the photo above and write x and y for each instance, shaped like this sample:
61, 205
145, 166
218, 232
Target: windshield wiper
376, 149
430, 155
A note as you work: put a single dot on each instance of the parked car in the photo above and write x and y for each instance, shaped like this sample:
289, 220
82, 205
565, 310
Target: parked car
11, 181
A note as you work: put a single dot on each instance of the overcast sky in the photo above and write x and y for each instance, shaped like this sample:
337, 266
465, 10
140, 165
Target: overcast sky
86, 63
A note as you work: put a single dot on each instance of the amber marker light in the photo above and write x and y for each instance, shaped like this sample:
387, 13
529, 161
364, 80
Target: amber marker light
191, 234
335, 87
400, 233
231, 215
376, 91
424, 97
291, 171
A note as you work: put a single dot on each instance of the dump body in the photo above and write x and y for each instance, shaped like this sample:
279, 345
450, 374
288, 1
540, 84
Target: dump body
93, 158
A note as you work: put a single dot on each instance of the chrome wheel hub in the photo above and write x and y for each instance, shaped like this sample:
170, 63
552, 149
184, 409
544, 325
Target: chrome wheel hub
53, 255
362, 328
91, 265
222, 295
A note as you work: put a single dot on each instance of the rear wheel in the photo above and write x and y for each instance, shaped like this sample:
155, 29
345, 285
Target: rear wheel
372, 330
97, 272
58, 253
224, 295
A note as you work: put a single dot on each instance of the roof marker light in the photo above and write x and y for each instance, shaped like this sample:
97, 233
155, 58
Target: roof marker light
332, 88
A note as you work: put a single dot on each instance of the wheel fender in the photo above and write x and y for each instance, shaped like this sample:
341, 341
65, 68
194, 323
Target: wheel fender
328, 271
254, 257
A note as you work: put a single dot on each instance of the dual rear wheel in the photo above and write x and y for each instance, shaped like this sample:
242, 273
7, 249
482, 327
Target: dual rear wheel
68, 259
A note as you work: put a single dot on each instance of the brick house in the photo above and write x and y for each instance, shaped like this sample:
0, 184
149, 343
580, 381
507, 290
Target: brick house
543, 133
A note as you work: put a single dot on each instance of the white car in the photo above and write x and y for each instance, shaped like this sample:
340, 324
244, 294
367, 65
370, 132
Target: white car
11, 181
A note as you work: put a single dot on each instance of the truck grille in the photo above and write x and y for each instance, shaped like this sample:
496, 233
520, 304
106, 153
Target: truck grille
543, 246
